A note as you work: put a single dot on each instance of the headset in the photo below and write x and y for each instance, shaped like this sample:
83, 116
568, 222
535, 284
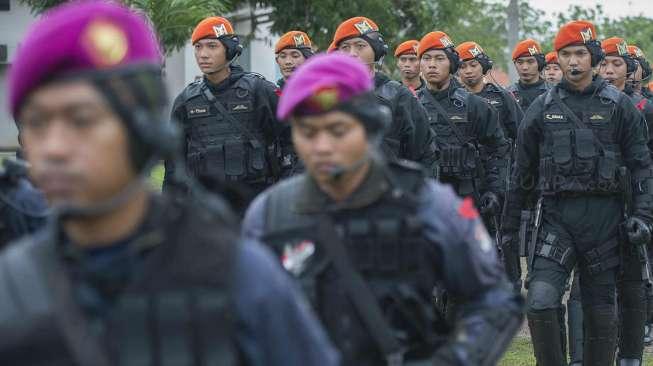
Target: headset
596, 52
454, 59
378, 44
631, 64
232, 43
485, 61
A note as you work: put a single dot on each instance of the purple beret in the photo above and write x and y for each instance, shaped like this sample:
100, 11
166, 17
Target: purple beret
323, 82
80, 36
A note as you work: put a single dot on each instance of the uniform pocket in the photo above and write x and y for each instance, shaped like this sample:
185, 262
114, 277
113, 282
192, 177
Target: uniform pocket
235, 158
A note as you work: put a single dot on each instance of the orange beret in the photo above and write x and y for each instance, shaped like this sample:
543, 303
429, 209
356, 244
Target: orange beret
636, 52
212, 27
575, 32
293, 39
350, 28
434, 40
408, 47
552, 58
469, 50
615, 46
525, 48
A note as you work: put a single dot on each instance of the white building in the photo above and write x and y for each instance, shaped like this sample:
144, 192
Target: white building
181, 68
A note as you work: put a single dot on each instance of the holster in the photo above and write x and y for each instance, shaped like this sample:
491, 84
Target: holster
525, 225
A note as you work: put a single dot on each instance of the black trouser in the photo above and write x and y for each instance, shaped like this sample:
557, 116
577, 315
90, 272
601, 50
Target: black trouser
575, 321
631, 297
576, 227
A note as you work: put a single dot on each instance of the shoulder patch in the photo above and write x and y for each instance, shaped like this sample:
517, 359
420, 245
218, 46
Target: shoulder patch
388, 90
467, 210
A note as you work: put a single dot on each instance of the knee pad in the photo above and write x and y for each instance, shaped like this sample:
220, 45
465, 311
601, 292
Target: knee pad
541, 296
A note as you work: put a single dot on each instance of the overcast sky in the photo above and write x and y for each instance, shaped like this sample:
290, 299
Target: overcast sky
611, 8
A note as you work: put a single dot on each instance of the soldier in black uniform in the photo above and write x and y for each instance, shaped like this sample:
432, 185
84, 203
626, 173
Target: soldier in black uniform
552, 71
122, 276
368, 240
227, 117
474, 67
529, 62
291, 50
474, 152
408, 65
643, 73
23, 209
571, 144
409, 136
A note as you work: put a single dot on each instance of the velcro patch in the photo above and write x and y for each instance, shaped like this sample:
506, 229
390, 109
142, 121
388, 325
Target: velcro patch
199, 111
240, 107
555, 117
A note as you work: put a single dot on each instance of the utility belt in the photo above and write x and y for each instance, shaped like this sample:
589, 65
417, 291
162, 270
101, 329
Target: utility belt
233, 160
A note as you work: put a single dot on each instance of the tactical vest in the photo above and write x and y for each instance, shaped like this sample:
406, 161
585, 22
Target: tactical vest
580, 160
460, 160
177, 311
392, 145
385, 243
217, 146
496, 98
526, 97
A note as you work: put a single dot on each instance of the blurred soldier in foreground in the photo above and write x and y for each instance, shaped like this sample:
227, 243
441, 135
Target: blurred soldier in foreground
369, 240
121, 276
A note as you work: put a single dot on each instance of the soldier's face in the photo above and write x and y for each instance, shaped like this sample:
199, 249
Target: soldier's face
613, 69
210, 54
471, 73
435, 66
552, 73
575, 62
289, 60
76, 145
408, 65
358, 48
527, 69
327, 141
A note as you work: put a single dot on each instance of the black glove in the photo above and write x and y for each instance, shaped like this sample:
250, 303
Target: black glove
638, 231
507, 241
490, 204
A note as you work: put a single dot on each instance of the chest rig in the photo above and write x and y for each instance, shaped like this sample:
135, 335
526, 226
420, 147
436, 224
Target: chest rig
225, 138
495, 97
460, 159
385, 244
579, 153
175, 311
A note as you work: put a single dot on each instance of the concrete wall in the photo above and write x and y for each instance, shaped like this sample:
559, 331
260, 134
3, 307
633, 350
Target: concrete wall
13, 25
180, 69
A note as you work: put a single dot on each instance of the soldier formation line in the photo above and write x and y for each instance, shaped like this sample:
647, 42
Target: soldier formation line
335, 217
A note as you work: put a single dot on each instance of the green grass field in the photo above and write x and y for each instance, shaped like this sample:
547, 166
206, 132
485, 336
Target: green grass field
520, 353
